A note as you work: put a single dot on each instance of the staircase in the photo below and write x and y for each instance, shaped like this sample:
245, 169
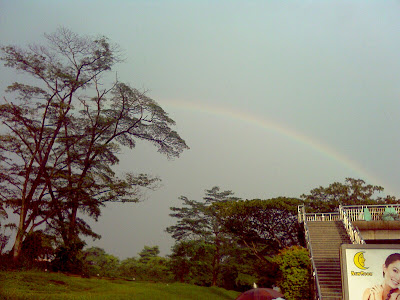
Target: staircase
326, 238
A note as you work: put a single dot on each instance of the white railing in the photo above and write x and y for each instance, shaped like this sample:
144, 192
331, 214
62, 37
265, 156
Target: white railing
348, 214
353, 232
333, 216
356, 212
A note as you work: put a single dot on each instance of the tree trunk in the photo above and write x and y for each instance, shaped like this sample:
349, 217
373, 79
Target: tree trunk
17, 248
215, 265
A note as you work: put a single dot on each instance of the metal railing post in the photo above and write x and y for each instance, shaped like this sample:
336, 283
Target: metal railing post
353, 232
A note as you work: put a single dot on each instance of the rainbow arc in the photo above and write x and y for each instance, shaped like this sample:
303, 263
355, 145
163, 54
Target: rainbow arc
280, 129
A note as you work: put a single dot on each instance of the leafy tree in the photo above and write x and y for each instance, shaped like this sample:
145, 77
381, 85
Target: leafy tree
242, 268
128, 267
294, 278
100, 263
352, 192
156, 269
236, 234
191, 262
181, 260
149, 266
63, 132
199, 221
263, 226
148, 253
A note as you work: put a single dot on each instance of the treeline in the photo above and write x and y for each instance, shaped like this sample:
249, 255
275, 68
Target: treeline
226, 241
148, 266
220, 240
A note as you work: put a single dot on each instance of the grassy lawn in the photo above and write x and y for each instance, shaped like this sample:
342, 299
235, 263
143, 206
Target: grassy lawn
40, 285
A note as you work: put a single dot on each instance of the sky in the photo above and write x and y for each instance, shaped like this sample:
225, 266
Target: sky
274, 98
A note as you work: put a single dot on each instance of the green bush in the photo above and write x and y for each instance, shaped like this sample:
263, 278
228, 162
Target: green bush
294, 273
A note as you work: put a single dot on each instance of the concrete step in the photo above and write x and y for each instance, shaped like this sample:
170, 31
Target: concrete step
326, 239
330, 290
327, 290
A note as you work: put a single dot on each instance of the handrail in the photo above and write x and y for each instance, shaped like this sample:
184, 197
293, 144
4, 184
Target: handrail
302, 219
347, 214
356, 212
353, 232
315, 274
372, 205
331, 216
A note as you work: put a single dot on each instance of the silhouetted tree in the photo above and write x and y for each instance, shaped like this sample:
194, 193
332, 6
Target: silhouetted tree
63, 132
199, 221
263, 226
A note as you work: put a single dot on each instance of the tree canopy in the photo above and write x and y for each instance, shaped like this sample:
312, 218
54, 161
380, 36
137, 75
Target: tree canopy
352, 192
227, 237
264, 226
199, 221
294, 267
149, 266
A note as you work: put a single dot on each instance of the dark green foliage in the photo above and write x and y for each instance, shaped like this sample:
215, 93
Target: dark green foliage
264, 226
198, 221
99, 263
37, 250
228, 242
68, 258
192, 261
352, 192
149, 266
148, 253
260, 228
242, 268
294, 273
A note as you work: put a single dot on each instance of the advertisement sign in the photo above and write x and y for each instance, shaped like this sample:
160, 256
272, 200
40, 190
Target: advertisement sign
370, 271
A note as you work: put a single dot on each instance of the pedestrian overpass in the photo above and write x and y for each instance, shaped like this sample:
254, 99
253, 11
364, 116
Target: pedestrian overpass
355, 224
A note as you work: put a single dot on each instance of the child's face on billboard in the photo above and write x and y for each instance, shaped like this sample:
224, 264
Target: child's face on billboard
392, 274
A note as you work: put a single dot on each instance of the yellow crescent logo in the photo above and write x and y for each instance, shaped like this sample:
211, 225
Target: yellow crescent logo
359, 260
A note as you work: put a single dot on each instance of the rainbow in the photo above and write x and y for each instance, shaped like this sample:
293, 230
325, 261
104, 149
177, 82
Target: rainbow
280, 129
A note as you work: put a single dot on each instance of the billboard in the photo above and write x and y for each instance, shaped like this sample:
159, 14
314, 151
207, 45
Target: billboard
370, 271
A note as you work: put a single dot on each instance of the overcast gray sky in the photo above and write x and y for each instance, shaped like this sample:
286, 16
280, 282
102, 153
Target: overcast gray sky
274, 98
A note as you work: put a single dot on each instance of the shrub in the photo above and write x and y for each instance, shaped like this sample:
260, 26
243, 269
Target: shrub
294, 273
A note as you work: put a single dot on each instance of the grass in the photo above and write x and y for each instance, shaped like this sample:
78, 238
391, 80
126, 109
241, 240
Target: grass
41, 285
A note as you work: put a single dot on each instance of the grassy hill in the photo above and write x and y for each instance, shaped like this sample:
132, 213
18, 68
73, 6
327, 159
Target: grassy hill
41, 285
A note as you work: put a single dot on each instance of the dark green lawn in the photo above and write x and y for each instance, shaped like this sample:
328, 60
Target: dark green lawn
41, 285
